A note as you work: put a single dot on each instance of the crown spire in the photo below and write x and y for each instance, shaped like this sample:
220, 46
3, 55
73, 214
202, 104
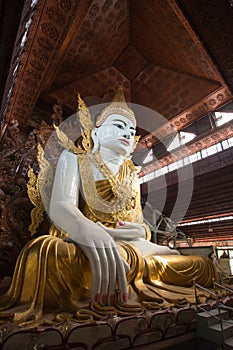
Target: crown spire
119, 95
117, 106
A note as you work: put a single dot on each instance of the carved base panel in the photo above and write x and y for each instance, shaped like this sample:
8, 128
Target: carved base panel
151, 330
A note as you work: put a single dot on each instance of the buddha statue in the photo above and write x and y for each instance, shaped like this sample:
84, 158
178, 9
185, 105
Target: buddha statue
98, 258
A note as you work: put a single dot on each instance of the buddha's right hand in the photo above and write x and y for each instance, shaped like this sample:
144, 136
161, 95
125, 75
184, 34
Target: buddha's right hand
107, 265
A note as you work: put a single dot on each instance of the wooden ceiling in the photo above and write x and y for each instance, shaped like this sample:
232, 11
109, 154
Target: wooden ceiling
174, 57
92, 46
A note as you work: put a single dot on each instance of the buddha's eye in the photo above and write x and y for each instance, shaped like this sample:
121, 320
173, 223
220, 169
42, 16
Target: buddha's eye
119, 126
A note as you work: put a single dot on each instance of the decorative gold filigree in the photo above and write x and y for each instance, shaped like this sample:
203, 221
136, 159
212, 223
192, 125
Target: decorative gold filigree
84, 115
136, 140
65, 142
58, 113
38, 187
35, 198
45, 176
124, 201
86, 124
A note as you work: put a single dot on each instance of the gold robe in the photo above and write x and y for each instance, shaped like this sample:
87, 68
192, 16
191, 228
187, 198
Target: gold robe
52, 277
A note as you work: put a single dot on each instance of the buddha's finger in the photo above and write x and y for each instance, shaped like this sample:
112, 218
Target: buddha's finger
121, 276
104, 265
94, 259
126, 266
112, 276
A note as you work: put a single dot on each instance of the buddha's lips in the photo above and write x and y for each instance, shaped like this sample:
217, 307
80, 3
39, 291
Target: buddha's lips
124, 141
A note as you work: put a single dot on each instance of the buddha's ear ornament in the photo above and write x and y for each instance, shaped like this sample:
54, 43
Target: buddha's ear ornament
136, 140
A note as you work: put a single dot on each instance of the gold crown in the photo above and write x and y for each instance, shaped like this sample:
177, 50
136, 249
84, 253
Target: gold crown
117, 106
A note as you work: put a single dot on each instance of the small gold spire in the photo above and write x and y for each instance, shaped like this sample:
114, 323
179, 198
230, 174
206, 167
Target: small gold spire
84, 115
86, 124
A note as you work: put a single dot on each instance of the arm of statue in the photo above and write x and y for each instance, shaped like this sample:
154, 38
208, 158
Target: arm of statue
107, 265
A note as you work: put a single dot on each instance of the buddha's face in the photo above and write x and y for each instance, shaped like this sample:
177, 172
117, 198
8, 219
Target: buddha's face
116, 134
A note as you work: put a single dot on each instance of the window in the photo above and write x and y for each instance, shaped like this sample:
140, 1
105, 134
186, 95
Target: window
161, 171
185, 137
223, 117
212, 150
180, 163
225, 144
186, 160
204, 153
149, 176
172, 166
230, 140
204, 221
175, 143
149, 157
194, 157
218, 147
180, 139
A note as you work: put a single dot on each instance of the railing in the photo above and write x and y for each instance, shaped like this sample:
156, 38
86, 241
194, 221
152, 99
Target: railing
222, 306
221, 287
215, 295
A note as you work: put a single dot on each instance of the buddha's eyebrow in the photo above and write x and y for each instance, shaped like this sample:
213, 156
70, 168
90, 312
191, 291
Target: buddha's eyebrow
118, 120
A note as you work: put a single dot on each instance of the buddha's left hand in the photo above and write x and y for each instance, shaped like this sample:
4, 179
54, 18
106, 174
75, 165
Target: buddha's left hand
126, 231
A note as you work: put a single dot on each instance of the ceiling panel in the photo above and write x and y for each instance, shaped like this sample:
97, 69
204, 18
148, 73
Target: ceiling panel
103, 35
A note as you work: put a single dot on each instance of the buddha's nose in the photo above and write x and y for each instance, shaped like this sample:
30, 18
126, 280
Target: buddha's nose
127, 137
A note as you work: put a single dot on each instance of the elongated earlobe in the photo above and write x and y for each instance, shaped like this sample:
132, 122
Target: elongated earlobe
95, 140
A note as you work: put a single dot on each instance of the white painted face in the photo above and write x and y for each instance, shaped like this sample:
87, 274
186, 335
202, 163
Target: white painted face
116, 134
